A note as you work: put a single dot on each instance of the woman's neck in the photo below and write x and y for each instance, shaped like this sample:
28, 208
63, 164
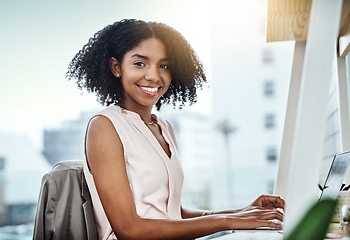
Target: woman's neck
144, 112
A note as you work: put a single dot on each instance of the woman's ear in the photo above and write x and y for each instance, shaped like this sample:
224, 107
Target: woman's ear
114, 65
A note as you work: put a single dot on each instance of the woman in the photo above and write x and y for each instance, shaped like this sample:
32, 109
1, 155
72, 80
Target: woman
132, 165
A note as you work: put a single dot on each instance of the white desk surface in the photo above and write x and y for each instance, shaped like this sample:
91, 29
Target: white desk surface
335, 232
252, 235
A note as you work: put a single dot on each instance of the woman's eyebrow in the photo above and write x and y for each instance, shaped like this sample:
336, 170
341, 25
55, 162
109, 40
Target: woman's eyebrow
146, 58
140, 56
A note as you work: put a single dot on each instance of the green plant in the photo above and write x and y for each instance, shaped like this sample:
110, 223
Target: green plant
314, 224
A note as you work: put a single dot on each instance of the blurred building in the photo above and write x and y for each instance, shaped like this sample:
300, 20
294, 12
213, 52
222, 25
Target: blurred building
21, 169
67, 141
249, 89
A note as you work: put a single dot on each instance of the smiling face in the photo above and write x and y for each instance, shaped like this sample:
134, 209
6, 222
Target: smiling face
145, 74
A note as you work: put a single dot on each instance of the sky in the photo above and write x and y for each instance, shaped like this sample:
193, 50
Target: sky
40, 37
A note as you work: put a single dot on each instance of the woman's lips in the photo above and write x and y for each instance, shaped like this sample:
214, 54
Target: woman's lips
152, 91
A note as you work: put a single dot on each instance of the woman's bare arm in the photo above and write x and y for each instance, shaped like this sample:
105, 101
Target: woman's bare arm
262, 202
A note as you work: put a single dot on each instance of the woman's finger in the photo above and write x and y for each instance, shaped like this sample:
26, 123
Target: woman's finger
271, 216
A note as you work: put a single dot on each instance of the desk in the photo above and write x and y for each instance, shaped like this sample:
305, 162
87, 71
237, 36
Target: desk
252, 235
335, 232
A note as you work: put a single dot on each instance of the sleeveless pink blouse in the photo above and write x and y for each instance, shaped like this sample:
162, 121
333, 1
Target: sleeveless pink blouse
155, 179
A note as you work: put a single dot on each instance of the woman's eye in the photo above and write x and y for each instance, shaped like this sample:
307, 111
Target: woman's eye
165, 66
139, 64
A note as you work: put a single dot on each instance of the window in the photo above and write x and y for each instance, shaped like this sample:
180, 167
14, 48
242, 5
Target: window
271, 154
270, 121
269, 88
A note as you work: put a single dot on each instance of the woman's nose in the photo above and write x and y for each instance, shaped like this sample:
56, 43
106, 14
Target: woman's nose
152, 74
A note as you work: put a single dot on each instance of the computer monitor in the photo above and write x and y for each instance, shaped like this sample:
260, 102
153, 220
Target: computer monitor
335, 177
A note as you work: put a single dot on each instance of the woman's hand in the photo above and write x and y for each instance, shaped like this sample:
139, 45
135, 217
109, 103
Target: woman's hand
263, 212
267, 201
254, 217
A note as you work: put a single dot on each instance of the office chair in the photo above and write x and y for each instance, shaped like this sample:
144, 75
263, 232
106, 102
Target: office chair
64, 209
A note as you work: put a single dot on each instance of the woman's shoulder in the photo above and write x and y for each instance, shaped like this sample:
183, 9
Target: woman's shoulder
108, 117
99, 122
113, 112
112, 109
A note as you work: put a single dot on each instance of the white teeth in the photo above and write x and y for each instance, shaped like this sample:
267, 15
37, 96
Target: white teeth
149, 89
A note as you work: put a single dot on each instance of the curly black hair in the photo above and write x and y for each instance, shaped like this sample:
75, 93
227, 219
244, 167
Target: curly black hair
90, 66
